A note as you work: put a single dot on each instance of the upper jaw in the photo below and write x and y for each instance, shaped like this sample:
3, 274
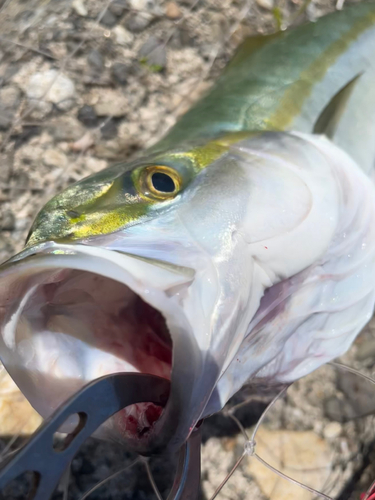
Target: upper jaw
167, 288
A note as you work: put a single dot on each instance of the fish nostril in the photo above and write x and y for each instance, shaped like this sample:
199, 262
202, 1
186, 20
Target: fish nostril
72, 214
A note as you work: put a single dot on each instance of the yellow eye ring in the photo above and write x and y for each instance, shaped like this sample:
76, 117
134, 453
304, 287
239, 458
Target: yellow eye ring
160, 182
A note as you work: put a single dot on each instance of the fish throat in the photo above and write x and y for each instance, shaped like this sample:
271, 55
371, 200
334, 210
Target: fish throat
94, 326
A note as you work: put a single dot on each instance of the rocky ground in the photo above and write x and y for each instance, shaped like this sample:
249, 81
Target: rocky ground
87, 82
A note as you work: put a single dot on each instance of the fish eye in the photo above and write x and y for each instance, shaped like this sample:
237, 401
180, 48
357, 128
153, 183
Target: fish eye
163, 182
160, 182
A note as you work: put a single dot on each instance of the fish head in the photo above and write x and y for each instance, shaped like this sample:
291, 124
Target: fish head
159, 266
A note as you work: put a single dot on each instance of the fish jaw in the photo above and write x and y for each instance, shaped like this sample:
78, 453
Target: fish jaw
72, 313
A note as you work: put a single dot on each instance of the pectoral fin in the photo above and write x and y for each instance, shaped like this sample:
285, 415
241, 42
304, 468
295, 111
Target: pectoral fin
329, 118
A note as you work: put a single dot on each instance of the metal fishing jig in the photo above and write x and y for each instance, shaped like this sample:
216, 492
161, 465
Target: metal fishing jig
94, 404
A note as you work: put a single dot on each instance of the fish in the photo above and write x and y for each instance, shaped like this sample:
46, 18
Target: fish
239, 248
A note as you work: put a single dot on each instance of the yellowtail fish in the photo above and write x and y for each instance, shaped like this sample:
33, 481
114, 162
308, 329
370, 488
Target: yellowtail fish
240, 247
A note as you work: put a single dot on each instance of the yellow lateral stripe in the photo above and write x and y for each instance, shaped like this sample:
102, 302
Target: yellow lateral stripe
203, 156
296, 95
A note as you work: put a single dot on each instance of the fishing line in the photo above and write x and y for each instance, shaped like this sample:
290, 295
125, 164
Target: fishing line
107, 479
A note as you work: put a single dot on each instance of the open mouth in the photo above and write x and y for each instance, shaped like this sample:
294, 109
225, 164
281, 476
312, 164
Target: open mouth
70, 314
74, 326
117, 332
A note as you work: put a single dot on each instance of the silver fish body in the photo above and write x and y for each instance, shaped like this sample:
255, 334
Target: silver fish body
262, 268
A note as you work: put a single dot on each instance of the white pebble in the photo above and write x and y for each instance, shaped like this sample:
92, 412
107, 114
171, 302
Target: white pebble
79, 7
50, 86
122, 35
111, 104
266, 4
332, 430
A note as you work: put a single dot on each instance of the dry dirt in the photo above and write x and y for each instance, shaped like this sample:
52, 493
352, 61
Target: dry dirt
122, 73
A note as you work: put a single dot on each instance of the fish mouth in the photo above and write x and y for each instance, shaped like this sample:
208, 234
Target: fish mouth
72, 313
115, 328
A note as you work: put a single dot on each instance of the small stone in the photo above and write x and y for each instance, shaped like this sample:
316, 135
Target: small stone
300, 454
118, 7
95, 60
338, 410
266, 4
181, 37
138, 21
153, 53
66, 128
123, 36
366, 349
172, 10
84, 143
94, 165
6, 118
38, 110
51, 86
8, 73
111, 103
66, 105
151, 6
109, 151
140, 4
54, 158
332, 430
359, 393
108, 19
120, 73
109, 130
150, 44
7, 222
79, 7
10, 97
87, 116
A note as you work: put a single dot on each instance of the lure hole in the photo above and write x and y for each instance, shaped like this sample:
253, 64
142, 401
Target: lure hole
62, 439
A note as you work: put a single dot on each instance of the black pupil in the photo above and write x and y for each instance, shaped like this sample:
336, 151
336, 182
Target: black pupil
163, 182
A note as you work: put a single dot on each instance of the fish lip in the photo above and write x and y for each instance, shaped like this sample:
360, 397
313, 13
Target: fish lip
176, 418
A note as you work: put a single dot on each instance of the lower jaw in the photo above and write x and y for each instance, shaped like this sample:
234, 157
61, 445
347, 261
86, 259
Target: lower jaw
78, 334
67, 352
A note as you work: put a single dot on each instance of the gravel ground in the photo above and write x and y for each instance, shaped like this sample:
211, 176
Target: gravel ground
87, 82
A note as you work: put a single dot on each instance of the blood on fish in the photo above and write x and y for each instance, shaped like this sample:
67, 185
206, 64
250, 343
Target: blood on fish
138, 419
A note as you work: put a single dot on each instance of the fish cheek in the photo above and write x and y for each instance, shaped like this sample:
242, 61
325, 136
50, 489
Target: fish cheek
217, 207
